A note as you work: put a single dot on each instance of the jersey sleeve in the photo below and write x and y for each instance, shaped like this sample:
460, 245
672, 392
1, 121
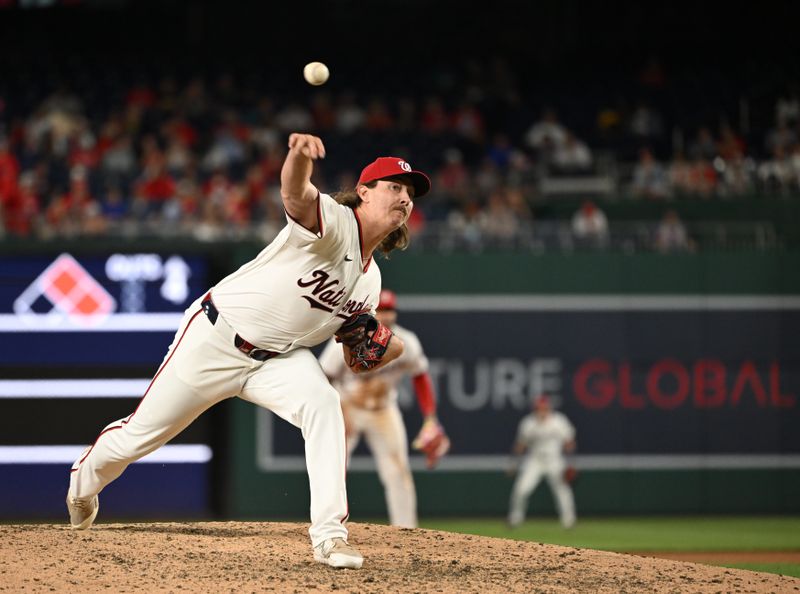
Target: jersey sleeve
335, 225
417, 362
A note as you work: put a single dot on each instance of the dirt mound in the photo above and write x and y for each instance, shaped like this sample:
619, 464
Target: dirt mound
269, 557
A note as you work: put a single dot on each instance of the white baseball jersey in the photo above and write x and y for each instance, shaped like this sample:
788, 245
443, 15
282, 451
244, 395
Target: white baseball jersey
412, 362
275, 307
545, 438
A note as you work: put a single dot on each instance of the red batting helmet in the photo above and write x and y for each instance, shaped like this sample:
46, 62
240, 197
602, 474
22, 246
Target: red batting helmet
388, 300
384, 167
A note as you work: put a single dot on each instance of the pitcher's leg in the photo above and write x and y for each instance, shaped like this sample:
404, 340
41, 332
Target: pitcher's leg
171, 402
294, 387
387, 439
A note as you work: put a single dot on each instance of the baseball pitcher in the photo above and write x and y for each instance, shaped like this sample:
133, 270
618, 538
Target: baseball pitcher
250, 336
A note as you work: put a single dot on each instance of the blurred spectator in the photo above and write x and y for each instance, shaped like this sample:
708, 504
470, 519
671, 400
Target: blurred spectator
730, 145
350, 117
463, 224
572, 156
453, 177
781, 136
434, 119
114, 205
488, 176
794, 167
154, 187
379, 118
323, 112
498, 222
671, 234
119, 161
737, 175
468, 123
703, 146
21, 210
645, 123
702, 178
545, 135
500, 151
775, 174
9, 172
787, 107
406, 115
521, 173
679, 174
67, 213
649, 177
590, 226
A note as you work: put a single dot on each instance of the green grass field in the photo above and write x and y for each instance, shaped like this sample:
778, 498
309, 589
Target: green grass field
649, 534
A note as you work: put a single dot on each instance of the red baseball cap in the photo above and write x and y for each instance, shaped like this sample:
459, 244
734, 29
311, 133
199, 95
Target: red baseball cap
387, 300
384, 167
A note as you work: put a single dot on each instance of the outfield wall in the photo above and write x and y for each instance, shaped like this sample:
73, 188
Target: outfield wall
681, 374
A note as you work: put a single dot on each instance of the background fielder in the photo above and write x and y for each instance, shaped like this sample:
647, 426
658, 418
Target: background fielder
546, 435
369, 404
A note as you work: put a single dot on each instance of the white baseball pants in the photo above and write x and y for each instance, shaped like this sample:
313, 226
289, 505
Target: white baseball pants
385, 434
528, 479
203, 367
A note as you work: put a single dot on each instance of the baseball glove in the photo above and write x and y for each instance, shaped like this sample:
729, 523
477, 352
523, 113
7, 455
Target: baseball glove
355, 328
570, 474
432, 441
366, 339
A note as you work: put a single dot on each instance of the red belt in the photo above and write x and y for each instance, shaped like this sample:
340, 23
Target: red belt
212, 313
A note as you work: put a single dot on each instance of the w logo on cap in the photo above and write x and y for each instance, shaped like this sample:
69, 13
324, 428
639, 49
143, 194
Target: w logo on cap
404, 166
66, 290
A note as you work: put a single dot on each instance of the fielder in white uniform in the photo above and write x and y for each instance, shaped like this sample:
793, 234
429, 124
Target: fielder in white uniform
546, 435
249, 336
369, 404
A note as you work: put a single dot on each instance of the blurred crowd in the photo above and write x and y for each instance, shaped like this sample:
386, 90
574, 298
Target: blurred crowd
200, 156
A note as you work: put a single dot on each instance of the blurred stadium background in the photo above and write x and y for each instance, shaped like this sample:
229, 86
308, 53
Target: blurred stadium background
615, 221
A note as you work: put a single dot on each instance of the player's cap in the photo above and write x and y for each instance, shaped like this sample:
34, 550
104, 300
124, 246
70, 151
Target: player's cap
388, 300
384, 167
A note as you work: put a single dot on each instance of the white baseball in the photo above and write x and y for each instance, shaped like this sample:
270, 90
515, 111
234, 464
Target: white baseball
316, 73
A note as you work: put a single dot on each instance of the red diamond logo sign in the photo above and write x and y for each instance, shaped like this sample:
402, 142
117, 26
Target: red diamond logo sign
71, 293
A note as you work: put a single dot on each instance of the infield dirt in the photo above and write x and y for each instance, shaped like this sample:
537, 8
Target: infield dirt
276, 557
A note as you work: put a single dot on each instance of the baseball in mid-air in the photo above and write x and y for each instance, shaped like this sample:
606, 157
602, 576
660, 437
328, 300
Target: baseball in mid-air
316, 73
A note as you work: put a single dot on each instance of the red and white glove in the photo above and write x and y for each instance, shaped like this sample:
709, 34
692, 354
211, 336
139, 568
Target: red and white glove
432, 441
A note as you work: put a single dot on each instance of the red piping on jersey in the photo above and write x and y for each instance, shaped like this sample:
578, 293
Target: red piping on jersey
319, 218
423, 386
130, 416
361, 241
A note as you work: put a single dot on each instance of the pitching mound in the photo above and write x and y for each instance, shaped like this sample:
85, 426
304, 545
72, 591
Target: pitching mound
269, 557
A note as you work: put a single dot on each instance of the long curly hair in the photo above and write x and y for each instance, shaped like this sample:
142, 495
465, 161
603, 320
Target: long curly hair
396, 240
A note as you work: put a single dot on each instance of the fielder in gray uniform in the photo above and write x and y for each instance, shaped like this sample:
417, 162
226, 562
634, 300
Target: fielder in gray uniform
250, 336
